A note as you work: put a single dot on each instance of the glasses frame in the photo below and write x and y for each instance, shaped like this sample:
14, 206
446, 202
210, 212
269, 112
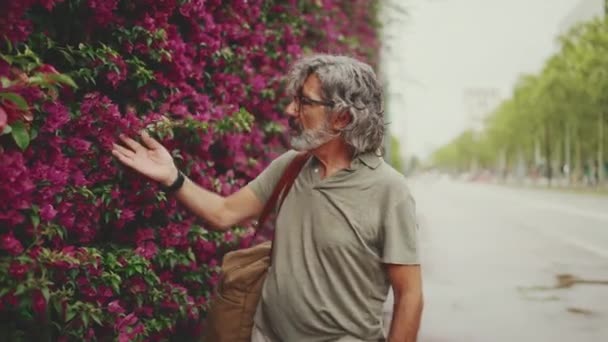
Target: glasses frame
300, 101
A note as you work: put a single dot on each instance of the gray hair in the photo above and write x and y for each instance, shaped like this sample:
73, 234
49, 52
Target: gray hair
351, 86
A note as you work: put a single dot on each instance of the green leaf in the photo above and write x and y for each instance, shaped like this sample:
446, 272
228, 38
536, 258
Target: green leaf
45, 293
5, 82
20, 289
191, 255
61, 232
16, 99
61, 78
7, 130
37, 80
70, 314
96, 318
57, 305
85, 319
35, 220
9, 59
33, 133
9, 44
67, 56
20, 135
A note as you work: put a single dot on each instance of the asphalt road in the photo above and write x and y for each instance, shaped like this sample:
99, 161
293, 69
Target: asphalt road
504, 264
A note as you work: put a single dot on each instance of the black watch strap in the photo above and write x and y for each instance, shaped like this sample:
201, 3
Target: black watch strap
177, 184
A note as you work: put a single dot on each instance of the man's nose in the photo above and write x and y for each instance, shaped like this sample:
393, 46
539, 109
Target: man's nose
291, 109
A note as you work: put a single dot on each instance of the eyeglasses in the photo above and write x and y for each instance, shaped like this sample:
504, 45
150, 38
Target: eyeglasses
301, 100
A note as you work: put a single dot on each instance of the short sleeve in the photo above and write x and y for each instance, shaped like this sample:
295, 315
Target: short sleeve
400, 234
263, 185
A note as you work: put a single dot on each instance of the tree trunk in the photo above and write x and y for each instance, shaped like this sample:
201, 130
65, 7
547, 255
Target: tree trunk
567, 151
549, 170
600, 149
578, 160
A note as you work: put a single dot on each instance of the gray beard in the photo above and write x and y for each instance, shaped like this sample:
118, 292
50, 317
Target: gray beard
311, 139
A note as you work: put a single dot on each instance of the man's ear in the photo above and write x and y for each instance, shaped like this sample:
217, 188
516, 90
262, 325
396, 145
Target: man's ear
342, 120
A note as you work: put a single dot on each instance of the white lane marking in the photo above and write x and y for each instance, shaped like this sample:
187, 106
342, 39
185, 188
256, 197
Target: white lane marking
568, 210
573, 240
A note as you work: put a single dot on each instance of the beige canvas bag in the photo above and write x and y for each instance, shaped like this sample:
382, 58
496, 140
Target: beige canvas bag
230, 318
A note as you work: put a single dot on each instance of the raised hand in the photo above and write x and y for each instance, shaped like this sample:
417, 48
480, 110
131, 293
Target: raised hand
151, 159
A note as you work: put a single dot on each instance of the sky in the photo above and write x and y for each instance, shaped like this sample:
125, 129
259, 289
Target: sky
435, 49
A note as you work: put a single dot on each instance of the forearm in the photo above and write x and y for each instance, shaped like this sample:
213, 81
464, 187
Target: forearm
407, 312
205, 204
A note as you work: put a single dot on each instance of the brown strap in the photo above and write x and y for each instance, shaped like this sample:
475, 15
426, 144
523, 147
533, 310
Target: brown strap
282, 188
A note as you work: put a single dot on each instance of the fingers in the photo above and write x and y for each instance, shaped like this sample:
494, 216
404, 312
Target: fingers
124, 151
149, 141
123, 158
134, 145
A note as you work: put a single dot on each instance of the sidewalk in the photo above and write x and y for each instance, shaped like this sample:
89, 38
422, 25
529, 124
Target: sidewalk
557, 185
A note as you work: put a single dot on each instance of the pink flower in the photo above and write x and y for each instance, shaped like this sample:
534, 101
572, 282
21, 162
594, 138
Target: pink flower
18, 270
169, 304
138, 285
3, 119
114, 77
102, 11
10, 244
144, 235
79, 145
165, 276
47, 212
214, 280
126, 321
38, 302
49, 4
228, 236
258, 83
57, 116
209, 247
147, 249
47, 68
90, 334
9, 300
145, 311
114, 307
174, 235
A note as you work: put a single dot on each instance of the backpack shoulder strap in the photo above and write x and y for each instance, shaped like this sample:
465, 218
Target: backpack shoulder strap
283, 186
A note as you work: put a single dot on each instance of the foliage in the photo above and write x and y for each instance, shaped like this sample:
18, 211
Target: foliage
563, 107
396, 159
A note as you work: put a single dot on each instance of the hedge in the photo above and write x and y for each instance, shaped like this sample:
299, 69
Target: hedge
90, 250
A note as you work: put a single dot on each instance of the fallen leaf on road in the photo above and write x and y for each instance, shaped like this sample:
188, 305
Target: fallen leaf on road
581, 311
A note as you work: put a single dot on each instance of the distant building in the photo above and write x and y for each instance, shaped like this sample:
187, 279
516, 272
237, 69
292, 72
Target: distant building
479, 103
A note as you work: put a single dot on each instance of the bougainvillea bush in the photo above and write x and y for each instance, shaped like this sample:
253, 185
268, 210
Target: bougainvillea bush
89, 250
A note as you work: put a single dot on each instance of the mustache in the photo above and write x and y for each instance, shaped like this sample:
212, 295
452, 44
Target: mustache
294, 124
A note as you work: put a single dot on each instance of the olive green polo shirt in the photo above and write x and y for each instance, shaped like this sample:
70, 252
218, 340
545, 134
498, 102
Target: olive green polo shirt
332, 236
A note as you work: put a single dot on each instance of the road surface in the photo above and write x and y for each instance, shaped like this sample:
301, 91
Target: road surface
505, 264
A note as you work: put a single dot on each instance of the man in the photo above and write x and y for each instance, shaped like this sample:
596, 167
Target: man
346, 231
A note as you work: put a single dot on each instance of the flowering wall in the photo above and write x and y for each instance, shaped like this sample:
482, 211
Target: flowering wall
89, 250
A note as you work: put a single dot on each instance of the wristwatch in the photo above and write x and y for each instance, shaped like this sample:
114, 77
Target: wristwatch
176, 185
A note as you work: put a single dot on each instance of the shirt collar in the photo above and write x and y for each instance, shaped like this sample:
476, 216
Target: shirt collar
369, 159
